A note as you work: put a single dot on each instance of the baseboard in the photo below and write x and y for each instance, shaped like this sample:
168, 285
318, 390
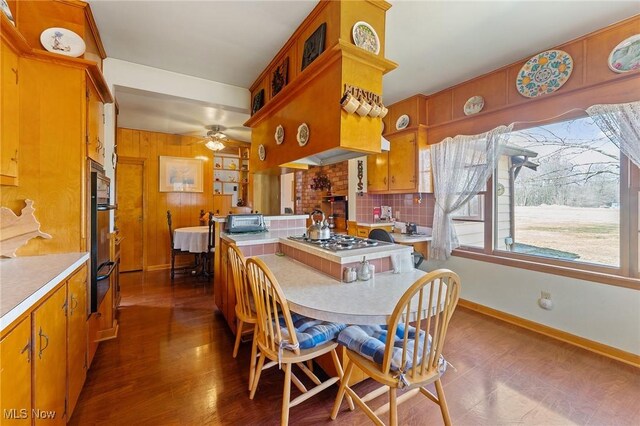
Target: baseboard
590, 345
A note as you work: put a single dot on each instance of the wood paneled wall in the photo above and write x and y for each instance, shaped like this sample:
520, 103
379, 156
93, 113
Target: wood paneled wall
591, 82
185, 207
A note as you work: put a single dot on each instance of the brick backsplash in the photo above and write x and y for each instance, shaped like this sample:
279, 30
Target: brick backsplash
406, 204
310, 199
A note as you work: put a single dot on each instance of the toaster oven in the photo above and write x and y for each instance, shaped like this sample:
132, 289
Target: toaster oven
237, 223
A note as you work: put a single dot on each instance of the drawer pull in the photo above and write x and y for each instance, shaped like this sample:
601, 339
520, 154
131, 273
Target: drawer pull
27, 349
42, 348
74, 304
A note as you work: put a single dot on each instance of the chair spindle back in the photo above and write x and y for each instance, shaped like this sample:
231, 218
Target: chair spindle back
270, 305
240, 281
429, 304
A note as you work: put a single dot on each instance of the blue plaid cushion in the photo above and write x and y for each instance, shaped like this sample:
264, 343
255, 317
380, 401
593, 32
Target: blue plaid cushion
311, 332
370, 340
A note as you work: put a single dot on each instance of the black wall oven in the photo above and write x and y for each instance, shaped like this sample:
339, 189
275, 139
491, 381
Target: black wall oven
101, 265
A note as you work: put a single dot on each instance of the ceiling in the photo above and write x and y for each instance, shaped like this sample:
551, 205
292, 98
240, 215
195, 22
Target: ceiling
436, 44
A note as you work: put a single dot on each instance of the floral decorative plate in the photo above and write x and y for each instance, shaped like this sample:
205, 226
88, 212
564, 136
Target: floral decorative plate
262, 152
62, 41
402, 122
625, 56
473, 105
303, 134
279, 134
544, 73
365, 37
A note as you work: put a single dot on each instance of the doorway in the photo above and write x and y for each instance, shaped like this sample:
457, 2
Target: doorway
287, 193
130, 189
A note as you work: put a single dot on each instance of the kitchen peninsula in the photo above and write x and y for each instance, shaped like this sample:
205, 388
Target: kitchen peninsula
328, 263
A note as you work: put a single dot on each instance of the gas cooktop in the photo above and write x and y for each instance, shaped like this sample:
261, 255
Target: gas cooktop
341, 242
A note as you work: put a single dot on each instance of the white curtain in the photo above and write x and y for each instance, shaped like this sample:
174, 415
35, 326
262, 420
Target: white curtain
621, 124
461, 167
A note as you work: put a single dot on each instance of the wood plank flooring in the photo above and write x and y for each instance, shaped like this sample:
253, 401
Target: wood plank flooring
172, 365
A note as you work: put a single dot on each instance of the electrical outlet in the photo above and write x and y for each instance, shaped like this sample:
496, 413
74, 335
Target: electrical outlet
545, 295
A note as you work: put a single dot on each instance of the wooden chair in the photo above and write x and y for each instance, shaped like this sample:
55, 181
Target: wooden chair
281, 344
245, 313
175, 252
432, 298
211, 247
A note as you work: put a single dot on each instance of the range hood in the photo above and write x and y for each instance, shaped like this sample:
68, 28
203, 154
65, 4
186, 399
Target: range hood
338, 155
311, 98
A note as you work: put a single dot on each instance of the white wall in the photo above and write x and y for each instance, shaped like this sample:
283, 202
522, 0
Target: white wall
599, 312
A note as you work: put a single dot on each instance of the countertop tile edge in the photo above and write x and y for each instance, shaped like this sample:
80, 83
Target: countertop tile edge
13, 314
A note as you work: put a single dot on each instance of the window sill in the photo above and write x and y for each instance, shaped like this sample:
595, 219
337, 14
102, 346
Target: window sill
599, 277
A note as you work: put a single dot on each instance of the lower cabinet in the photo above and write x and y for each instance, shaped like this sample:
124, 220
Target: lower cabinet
77, 336
15, 375
50, 359
44, 357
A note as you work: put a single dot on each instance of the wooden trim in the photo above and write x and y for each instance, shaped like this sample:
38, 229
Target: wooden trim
289, 44
12, 36
590, 345
598, 277
93, 27
525, 57
327, 58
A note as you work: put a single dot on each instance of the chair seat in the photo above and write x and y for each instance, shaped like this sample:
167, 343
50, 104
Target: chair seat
369, 341
311, 332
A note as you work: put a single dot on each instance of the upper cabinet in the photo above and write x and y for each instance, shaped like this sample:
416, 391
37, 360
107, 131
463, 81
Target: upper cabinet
10, 115
95, 123
406, 168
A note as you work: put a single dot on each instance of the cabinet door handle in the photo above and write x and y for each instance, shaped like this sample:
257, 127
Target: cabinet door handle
74, 304
15, 71
42, 348
393, 179
27, 349
15, 157
385, 180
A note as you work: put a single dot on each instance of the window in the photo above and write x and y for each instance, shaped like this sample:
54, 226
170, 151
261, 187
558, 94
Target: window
563, 195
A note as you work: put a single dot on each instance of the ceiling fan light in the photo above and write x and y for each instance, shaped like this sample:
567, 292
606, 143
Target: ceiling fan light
214, 145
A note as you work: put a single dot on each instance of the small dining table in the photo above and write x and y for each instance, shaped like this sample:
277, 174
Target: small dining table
314, 294
193, 239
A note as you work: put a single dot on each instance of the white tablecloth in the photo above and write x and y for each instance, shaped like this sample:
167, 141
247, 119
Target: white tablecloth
192, 239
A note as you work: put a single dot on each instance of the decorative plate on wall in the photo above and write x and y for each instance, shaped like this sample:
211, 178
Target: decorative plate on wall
262, 152
365, 37
625, 56
62, 41
279, 134
303, 134
544, 73
473, 105
402, 122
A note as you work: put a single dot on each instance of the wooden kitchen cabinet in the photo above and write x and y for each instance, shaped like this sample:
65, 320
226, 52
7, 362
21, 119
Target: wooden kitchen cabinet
9, 122
77, 335
95, 124
405, 169
50, 358
15, 375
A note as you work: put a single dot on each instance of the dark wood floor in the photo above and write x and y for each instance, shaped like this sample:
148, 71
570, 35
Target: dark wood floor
172, 365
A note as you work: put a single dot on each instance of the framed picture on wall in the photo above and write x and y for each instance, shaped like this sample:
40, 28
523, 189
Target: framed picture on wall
314, 45
258, 102
178, 174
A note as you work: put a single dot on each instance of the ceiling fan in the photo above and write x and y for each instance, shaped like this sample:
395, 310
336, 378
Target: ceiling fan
215, 139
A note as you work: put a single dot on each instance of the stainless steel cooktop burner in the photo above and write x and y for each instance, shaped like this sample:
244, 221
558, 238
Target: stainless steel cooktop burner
341, 242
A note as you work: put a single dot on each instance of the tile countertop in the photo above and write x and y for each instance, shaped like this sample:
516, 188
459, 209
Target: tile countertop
314, 294
341, 257
25, 280
408, 239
